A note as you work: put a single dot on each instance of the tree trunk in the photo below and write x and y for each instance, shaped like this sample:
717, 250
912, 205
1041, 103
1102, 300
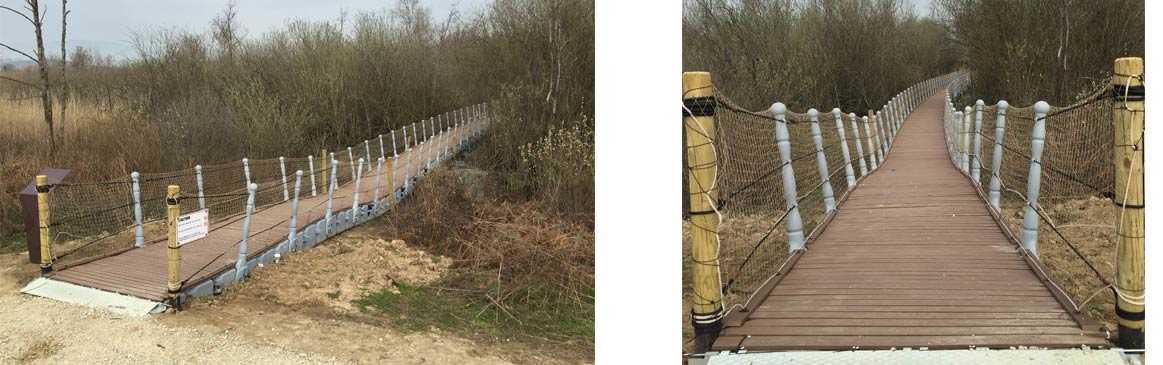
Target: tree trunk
45, 94
64, 99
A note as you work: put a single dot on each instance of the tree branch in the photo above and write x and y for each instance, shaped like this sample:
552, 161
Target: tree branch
34, 86
34, 59
17, 13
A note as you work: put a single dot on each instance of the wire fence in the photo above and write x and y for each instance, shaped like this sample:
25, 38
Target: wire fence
91, 219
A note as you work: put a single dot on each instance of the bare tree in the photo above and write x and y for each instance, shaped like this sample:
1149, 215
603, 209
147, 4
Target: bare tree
64, 98
37, 21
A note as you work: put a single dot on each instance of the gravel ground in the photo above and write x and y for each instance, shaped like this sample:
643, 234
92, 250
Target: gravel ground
261, 321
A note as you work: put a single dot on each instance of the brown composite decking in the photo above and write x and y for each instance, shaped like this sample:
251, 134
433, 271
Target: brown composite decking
912, 258
141, 272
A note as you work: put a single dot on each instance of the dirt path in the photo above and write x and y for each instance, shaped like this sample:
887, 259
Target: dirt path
295, 312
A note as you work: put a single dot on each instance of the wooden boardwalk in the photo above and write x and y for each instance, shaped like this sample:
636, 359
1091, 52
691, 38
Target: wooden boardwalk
141, 272
913, 258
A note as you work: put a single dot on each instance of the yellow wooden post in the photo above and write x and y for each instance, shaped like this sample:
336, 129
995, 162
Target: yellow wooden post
173, 258
699, 124
1127, 86
42, 207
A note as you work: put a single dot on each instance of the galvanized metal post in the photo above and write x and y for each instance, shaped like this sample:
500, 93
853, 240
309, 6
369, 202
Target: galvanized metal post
367, 152
881, 134
822, 161
975, 169
966, 133
138, 229
355, 193
999, 134
240, 261
198, 182
382, 152
351, 161
868, 140
415, 138
962, 155
294, 211
404, 131
246, 170
311, 167
1034, 180
859, 143
283, 172
379, 176
331, 185
795, 224
849, 174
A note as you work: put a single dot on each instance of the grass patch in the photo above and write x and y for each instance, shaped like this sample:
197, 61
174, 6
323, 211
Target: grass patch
14, 243
416, 308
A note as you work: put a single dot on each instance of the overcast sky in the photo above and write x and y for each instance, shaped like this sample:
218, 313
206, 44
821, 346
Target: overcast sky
107, 25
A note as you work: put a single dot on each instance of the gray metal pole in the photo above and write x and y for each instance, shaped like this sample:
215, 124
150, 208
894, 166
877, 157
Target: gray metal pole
999, 133
355, 192
311, 167
1034, 181
849, 174
871, 147
859, 145
795, 224
822, 162
975, 169
283, 171
246, 169
201, 192
294, 211
138, 230
331, 184
240, 262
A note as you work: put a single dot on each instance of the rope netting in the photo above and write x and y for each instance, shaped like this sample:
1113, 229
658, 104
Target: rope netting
752, 233
92, 219
1078, 218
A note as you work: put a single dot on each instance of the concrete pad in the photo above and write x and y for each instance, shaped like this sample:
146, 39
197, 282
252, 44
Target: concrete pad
95, 298
919, 357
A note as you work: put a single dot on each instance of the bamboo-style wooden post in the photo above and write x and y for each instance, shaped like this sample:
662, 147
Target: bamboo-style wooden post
975, 168
42, 217
294, 224
1129, 113
240, 261
1034, 179
795, 224
849, 173
868, 140
283, 173
699, 122
138, 228
858, 142
999, 134
822, 161
324, 162
198, 182
173, 257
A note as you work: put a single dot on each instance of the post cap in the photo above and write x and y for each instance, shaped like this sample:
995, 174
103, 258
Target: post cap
41, 180
836, 112
1041, 107
281, 159
968, 109
778, 109
245, 160
252, 187
865, 118
172, 191
298, 172
979, 103
198, 168
852, 115
1002, 105
813, 113
134, 175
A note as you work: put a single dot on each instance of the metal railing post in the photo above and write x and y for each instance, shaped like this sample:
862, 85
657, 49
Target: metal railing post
795, 224
138, 229
999, 134
872, 163
283, 173
240, 261
858, 142
822, 162
198, 182
246, 169
311, 167
1034, 180
975, 168
355, 192
331, 185
294, 225
849, 173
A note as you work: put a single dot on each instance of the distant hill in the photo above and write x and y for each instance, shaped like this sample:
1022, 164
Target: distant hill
8, 64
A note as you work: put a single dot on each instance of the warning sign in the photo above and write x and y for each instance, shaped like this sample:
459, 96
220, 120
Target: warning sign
193, 226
